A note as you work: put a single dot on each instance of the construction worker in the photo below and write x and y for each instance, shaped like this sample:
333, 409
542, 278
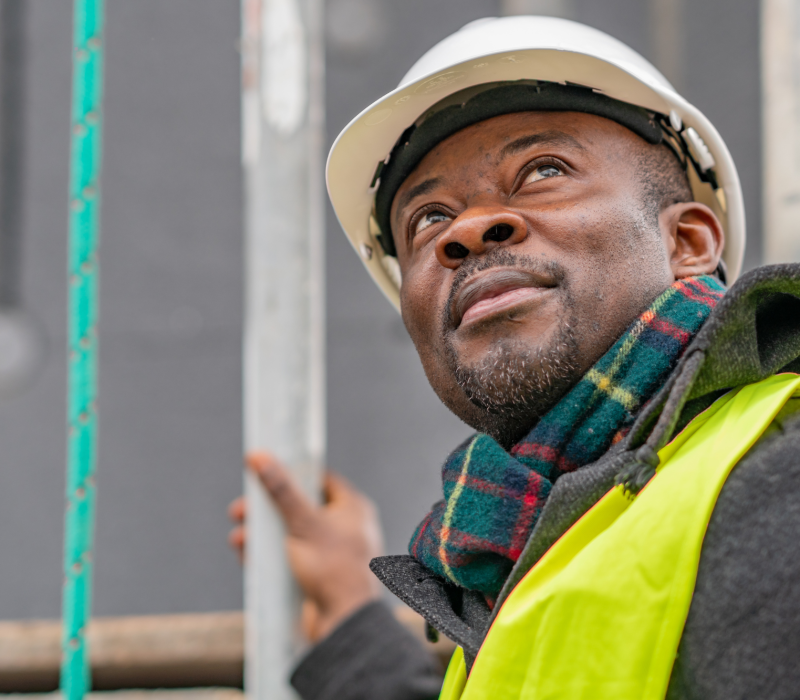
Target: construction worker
557, 227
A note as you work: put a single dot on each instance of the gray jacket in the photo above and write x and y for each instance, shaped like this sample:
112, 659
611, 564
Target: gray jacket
742, 635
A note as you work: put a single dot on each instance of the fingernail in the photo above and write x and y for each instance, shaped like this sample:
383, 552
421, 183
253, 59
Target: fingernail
258, 461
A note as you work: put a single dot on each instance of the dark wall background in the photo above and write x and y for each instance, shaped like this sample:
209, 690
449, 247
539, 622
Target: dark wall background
171, 287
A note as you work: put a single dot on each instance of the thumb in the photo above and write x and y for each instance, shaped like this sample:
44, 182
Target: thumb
294, 507
337, 489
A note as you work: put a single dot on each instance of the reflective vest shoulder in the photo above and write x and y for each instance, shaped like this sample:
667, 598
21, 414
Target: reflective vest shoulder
601, 614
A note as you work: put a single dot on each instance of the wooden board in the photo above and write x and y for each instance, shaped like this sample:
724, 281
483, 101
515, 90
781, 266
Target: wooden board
159, 651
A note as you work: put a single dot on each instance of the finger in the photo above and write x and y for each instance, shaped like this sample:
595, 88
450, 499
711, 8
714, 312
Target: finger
337, 489
237, 539
309, 619
237, 510
296, 510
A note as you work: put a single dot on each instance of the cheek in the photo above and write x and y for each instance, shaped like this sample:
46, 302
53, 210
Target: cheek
422, 312
613, 259
605, 241
628, 246
420, 303
615, 282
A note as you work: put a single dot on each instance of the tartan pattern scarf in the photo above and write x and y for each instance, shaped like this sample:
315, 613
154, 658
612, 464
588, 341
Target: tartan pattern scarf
492, 498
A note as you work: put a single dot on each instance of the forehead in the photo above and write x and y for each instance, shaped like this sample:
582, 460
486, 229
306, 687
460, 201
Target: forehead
489, 141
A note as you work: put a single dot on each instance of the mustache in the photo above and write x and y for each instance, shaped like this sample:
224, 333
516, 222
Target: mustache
499, 257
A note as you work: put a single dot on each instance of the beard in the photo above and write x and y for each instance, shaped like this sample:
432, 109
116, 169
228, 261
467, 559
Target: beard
515, 384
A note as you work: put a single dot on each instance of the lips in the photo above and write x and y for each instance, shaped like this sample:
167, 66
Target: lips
495, 291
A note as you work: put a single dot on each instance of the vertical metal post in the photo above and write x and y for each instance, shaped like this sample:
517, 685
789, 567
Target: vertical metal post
666, 39
282, 137
12, 140
84, 233
780, 71
553, 8
21, 340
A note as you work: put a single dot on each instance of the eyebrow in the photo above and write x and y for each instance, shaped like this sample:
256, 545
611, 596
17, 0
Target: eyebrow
422, 188
549, 138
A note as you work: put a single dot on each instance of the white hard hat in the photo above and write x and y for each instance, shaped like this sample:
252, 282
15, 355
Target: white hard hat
496, 51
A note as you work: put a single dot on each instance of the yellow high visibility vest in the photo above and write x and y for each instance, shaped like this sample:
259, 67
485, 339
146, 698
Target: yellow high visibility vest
601, 614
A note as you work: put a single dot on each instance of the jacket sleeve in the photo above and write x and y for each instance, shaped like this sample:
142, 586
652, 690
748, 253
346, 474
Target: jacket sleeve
742, 635
370, 655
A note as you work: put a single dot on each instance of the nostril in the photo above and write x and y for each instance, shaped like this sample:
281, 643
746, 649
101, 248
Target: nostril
499, 233
456, 250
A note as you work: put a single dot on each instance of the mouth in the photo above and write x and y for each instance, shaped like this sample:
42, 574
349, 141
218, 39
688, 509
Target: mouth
496, 291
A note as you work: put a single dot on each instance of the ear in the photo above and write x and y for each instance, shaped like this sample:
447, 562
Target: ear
693, 237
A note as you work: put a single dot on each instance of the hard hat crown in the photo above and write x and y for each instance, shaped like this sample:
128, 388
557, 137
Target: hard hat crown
523, 49
496, 35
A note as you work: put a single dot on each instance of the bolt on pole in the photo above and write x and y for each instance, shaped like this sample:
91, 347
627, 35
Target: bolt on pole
282, 140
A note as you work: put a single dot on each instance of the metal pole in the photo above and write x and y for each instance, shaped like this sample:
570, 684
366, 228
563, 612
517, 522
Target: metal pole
282, 136
84, 233
12, 139
21, 338
666, 39
780, 68
553, 8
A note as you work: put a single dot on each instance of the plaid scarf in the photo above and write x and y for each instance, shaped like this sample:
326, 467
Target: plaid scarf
493, 498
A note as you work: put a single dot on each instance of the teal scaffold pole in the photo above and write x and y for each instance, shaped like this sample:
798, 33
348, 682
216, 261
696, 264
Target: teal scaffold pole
84, 229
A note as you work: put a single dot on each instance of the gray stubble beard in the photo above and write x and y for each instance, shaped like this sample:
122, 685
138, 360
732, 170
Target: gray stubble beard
516, 385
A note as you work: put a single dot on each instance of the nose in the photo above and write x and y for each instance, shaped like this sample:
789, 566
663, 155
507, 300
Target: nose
477, 231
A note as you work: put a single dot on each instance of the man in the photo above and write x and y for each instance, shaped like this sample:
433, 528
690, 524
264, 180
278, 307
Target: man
555, 224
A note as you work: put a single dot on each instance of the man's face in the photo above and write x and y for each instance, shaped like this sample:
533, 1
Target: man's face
526, 251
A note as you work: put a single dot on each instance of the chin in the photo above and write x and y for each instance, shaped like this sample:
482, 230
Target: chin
531, 337
515, 382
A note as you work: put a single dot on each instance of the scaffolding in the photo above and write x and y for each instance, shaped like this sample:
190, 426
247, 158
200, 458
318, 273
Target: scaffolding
282, 133
282, 74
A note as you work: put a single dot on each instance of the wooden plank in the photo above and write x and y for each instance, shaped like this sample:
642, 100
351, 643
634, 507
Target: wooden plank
161, 694
158, 651
129, 652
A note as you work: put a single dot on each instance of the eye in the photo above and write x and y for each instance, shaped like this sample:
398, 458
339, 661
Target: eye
543, 172
429, 218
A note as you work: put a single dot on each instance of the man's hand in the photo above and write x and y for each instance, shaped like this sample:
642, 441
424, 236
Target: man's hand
329, 546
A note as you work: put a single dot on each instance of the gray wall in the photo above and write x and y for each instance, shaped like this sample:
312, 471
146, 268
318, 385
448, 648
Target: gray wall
170, 316
171, 252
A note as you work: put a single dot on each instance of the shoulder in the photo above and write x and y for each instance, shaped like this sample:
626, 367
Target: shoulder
742, 635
